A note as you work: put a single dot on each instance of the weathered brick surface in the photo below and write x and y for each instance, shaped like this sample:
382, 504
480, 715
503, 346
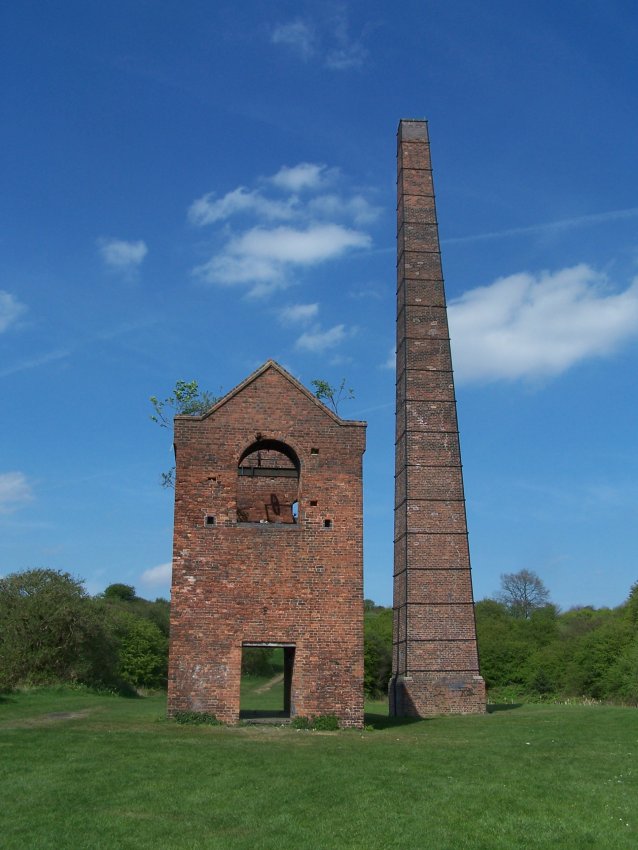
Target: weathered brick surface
428, 484
421, 292
435, 660
423, 321
432, 586
268, 580
428, 354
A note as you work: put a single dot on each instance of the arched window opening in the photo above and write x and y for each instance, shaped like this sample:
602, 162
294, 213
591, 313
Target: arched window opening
268, 483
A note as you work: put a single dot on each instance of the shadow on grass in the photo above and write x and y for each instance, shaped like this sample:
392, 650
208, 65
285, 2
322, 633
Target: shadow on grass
503, 706
382, 721
6, 698
263, 714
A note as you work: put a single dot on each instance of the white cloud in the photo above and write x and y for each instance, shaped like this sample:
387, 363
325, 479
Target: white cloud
261, 255
207, 210
297, 35
10, 309
15, 490
316, 243
158, 575
298, 313
527, 326
356, 208
328, 41
318, 341
305, 175
122, 255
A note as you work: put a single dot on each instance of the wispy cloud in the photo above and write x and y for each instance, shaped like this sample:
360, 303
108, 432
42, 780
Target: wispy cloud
305, 175
318, 341
156, 576
360, 210
326, 40
343, 51
122, 255
297, 314
261, 255
208, 209
391, 361
35, 362
15, 491
298, 35
538, 326
547, 227
10, 310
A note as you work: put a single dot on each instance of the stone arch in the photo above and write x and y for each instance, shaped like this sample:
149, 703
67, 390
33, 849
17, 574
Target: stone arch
268, 475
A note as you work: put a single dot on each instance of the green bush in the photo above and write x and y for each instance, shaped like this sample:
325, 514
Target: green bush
377, 656
320, 723
142, 653
51, 631
195, 718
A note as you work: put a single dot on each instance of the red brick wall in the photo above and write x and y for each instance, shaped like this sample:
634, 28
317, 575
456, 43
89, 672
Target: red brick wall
435, 659
291, 583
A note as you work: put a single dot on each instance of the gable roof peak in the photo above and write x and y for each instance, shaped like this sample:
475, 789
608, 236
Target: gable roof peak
265, 367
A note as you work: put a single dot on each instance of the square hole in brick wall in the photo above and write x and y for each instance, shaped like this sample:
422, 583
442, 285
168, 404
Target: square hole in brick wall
327, 523
210, 520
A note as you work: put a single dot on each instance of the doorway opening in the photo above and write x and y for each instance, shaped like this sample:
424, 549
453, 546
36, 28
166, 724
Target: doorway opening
266, 681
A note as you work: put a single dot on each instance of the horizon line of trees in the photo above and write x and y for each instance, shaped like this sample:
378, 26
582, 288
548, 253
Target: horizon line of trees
531, 651
52, 630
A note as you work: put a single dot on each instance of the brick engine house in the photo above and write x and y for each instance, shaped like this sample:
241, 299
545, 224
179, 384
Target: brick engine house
268, 550
268, 519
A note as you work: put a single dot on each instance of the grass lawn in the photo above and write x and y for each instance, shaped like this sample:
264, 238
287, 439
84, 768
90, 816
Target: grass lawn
79, 770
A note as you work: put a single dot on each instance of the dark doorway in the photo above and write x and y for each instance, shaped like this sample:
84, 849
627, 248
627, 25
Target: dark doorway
266, 681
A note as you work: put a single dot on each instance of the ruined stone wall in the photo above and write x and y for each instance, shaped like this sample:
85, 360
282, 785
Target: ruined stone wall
295, 583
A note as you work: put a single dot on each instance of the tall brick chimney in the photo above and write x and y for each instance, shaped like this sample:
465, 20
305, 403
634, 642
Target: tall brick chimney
435, 659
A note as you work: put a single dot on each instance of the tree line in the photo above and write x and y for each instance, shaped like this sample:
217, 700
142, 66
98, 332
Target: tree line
540, 653
52, 630
531, 651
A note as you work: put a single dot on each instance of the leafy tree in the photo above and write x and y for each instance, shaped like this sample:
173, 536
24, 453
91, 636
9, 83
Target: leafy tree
332, 396
632, 605
50, 631
142, 653
377, 656
159, 612
123, 592
620, 682
587, 672
261, 661
187, 399
522, 592
503, 648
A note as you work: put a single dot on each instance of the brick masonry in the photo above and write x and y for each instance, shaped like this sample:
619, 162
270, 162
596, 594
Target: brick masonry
435, 660
246, 570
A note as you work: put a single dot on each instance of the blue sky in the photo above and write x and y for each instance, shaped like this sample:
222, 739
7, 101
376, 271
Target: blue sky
191, 188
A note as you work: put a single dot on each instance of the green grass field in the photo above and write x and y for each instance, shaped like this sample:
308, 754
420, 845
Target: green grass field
80, 770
